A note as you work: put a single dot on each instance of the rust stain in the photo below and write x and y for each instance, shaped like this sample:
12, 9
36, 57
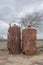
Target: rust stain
14, 39
29, 41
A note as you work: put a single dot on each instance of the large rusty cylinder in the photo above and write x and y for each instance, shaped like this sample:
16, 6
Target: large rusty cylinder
29, 41
14, 39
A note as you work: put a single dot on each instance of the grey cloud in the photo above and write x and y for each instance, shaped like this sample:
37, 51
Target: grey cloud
11, 10
7, 9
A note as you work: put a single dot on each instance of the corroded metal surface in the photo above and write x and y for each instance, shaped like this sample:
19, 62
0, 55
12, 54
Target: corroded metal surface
14, 39
29, 41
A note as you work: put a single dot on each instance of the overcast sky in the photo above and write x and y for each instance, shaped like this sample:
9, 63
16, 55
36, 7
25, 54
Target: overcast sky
12, 10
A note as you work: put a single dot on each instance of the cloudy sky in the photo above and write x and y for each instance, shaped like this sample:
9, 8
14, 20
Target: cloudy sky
12, 10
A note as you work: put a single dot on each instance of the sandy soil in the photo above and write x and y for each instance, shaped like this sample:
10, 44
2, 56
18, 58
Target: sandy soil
7, 59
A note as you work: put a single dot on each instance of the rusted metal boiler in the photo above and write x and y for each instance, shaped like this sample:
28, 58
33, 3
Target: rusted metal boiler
29, 40
14, 39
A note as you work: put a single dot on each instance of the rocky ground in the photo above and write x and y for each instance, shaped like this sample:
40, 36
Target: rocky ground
7, 59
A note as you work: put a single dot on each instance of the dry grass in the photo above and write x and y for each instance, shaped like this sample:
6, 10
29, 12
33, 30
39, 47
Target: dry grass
40, 43
7, 59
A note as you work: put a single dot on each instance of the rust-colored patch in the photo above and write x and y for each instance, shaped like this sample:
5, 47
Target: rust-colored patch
29, 41
14, 39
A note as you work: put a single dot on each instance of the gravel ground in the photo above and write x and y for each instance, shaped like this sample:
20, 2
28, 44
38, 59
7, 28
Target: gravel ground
7, 59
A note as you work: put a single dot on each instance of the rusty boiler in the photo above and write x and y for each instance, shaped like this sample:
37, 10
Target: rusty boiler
29, 41
14, 39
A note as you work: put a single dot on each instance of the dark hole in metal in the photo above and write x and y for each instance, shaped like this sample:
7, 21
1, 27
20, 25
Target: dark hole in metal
23, 52
25, 41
